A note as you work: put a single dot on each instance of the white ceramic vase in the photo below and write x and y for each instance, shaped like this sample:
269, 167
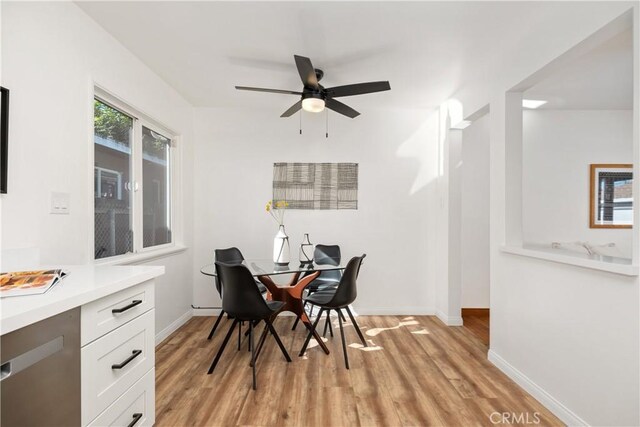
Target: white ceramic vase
281, 251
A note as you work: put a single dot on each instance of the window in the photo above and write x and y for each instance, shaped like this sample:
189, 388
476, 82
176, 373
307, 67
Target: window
156, 222
132, 182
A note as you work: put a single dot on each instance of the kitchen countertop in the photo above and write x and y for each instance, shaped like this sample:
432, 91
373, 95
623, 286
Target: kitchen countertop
83, 284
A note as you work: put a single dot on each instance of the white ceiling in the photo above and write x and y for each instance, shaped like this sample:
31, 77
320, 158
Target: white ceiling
601, 79
425, 49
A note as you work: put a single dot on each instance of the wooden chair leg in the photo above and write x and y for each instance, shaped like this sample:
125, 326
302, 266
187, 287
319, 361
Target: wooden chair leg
253, 355
327, 324
311, 311
277, 338
215, 325
344, 344
295, 324
250, 330
311, 331
355, 325
239, 334
224, 344
263, 336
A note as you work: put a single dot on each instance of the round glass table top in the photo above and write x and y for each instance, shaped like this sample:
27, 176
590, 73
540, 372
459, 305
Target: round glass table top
265, 267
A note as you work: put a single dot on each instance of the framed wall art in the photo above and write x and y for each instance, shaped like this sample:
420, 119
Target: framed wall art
611, 196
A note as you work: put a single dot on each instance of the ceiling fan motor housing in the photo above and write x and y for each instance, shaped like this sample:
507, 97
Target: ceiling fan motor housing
314, 94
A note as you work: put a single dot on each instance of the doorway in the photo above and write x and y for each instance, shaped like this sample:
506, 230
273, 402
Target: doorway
474, 226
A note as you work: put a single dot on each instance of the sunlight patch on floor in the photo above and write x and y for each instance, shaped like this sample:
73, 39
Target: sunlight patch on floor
421, 332
313, 343
370, 347
375, 331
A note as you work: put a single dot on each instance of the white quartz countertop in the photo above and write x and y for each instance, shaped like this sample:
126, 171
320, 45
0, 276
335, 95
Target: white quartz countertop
83, 284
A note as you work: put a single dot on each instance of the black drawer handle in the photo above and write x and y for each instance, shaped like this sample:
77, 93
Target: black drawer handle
127, 307
136, 418
135, 354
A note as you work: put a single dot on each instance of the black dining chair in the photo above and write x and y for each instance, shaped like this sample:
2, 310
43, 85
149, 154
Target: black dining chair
229, 256
242, 300
324, 255
337, 299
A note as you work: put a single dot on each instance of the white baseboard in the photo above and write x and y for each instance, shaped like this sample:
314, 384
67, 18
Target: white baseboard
550, 402
385, 311
164, 334
206, 312
449, 320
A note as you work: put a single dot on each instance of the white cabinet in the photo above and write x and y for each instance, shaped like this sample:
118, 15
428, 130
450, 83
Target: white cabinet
106, 314
118, 358
136, 404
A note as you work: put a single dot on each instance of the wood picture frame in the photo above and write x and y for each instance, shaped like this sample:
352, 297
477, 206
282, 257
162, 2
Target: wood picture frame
4, 138
610, 195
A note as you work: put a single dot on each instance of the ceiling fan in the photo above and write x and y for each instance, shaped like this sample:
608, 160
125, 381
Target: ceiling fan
315, 97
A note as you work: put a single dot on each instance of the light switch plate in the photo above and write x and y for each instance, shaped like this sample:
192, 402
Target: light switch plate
60, 203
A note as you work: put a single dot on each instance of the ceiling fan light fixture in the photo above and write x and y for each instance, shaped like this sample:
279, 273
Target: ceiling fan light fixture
313, 105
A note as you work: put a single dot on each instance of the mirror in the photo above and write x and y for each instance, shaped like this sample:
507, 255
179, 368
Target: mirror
611, 200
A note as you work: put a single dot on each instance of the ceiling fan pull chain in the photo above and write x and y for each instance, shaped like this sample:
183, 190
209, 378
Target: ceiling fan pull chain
326, 135
300, 122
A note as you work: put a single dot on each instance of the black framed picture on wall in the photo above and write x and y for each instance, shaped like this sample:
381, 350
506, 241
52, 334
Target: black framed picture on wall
4, 138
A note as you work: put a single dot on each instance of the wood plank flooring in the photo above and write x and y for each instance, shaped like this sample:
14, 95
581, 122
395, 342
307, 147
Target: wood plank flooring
415, 372
477, 322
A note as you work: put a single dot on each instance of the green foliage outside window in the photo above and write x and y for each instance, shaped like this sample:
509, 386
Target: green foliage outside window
112, 124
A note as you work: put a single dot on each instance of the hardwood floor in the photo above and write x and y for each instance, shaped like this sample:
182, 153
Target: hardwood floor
415, 372
477, 320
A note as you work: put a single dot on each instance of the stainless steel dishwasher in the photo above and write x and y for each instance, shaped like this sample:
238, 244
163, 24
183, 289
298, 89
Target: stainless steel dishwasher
40, 373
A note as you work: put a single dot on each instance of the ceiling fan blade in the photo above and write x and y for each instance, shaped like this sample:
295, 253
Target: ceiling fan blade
293, 109
341, 108
358, 89
259, 89
306, 71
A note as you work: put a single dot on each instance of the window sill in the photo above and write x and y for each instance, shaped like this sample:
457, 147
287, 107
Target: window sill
621, 266
128, 259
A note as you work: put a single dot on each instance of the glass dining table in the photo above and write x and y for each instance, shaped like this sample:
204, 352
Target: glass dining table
289, 293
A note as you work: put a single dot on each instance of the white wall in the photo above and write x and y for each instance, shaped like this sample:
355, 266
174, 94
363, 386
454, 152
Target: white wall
558, 147
475, 215
52, 53
398, 161
568, 335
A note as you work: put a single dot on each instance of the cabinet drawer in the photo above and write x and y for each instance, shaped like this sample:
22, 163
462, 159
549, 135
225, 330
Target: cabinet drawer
99, 318
136, 405
113, 363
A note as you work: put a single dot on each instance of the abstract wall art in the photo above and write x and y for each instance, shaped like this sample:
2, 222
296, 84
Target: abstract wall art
316, 186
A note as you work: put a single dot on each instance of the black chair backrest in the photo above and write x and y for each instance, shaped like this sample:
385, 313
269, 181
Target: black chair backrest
228, 256
347, 292
240, 295
328, 254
